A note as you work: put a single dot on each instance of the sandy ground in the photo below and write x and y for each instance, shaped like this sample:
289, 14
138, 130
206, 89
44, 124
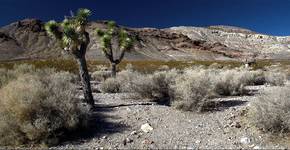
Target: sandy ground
118, 118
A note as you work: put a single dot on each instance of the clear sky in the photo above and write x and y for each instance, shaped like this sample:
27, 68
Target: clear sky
264, 16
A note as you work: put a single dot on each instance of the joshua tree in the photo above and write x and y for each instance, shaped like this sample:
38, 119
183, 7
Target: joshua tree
73, 38
114, 43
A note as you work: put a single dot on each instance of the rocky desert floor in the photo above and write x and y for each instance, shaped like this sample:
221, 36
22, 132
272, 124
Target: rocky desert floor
122, 121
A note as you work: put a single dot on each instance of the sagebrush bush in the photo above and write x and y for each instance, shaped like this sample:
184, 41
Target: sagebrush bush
270, 111
123, 82
156, 87
143, 86
111, 85
101, 75
275, 75
39, 107
275, 78
232, 82
193, 90
126, 79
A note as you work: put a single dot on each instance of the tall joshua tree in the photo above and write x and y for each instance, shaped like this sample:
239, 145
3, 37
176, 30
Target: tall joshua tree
114, 43
73, 38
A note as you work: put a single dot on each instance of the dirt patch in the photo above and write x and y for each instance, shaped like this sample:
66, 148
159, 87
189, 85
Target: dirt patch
119, 126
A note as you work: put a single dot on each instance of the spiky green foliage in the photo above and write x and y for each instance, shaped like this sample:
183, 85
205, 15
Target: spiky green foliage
114, 35
125, 42
72, 36
52, 28
70, 32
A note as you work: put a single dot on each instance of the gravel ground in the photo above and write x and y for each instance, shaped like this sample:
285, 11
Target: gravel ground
118, 120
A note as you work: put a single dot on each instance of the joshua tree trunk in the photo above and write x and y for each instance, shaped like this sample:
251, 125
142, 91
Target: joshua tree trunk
114, 69
85, 79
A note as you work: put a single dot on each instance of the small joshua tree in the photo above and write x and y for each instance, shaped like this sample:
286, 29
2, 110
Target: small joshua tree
114, 43
73, 38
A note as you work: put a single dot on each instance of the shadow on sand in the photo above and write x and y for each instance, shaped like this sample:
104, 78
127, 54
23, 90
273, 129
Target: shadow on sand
100, 124
223, 105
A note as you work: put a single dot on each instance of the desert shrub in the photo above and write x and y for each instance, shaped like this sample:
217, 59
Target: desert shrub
39, 108
275, 75
275, 78
5, 76
101, 75
192, 90
102, 68
143, 86
23, 69
129, 67
156, 87
270, 111
163, 68
126, 79
111, 85
252, 77
162, 85
123, 82
232, 82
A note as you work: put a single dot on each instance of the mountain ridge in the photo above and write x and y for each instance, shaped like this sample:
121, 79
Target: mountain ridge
27, 39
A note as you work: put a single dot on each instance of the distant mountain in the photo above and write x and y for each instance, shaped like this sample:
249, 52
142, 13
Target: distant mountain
26, 39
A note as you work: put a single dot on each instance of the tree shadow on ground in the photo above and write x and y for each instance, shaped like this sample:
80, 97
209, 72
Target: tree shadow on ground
100, 124
223, 105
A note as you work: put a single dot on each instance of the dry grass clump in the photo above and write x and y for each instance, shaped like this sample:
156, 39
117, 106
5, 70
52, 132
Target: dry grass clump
111, 85
275, 75
122, 83
270, 111
229, 83
275, 78
156, 86
39, 108
101, 75
232, 81
187, 89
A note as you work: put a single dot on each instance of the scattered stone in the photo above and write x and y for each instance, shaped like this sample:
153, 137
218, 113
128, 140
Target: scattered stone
245, 140
197, 142
133, 133
190, 147
127, 140
237, 125
147, 142
256, 147
146, 128
104, 137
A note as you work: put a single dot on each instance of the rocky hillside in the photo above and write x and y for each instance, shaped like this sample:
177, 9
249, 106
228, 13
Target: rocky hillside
27, 39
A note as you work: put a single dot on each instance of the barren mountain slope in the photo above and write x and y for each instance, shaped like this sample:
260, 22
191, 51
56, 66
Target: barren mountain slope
241, 39
27, 39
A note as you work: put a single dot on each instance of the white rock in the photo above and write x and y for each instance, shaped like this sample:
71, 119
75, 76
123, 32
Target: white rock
133, 133
245, 140
256, 147
146, 128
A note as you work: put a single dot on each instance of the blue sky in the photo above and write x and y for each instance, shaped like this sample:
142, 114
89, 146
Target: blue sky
264, 16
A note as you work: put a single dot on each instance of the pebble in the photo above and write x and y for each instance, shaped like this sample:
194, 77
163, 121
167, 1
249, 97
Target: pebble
127, 140
245, 140
191, 147
256, 147
146, 128
197, 142
147, 141
133, 133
